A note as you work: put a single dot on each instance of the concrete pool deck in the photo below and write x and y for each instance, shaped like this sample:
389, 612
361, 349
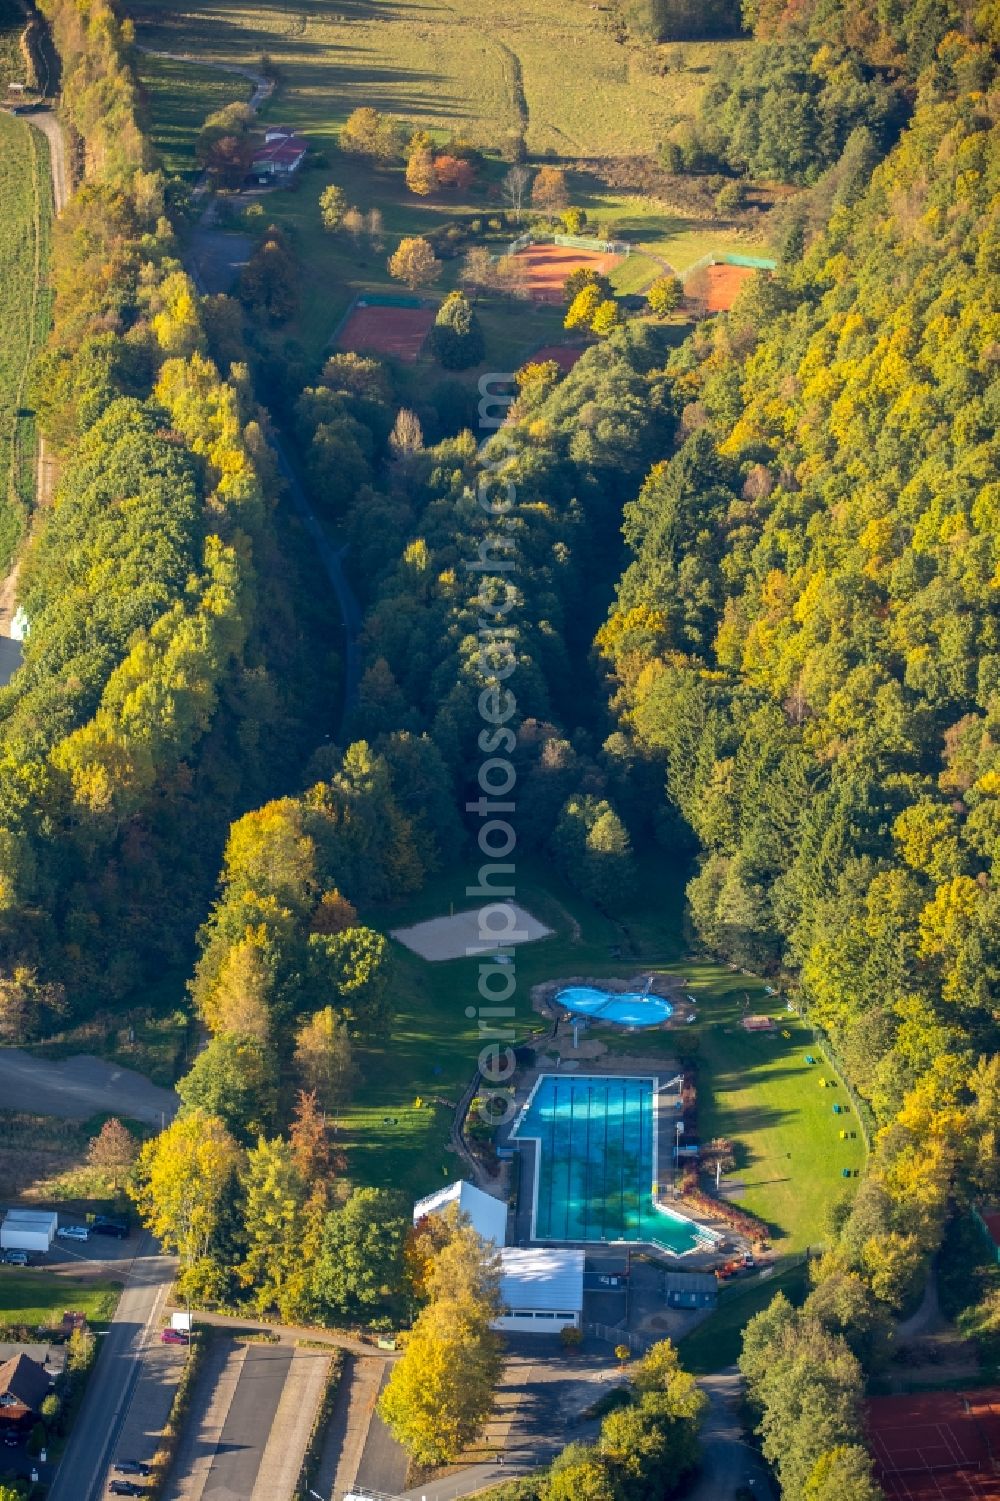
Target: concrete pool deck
672, 988
593, 1058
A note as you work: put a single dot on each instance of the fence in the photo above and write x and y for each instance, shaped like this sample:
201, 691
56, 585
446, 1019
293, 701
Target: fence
521, 243
727, 258
585, 242
864, 1112
637, 1343
571, 242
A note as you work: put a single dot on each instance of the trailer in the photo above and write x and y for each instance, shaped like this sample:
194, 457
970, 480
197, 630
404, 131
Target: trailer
28, 1230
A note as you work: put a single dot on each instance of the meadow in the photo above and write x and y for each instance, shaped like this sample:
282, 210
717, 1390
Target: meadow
39, 1298
447, 69
26, 195
454, 67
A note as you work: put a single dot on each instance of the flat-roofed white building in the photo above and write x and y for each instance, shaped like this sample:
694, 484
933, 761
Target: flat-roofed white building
487, 1215
28, 1230
541, 1289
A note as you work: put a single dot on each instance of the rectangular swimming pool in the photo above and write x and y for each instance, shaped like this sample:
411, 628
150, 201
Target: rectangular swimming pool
596, 1163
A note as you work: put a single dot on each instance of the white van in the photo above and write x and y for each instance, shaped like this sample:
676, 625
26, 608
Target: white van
73, 1232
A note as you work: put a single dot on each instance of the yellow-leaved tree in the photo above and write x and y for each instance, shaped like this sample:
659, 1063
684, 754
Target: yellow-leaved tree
441, 1391
183, 1180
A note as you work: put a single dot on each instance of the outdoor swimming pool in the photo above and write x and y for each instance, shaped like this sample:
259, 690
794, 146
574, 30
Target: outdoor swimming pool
596, 1162
632, 1009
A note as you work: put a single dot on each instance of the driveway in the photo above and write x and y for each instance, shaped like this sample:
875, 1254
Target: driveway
76, 1088
728, 1461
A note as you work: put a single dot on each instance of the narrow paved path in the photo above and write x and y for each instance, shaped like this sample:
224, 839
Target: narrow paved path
728, 1461
289, 1333
263, 87
926, 1319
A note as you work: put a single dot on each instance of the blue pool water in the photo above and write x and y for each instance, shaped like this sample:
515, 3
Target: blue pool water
633, 1009
595, 1162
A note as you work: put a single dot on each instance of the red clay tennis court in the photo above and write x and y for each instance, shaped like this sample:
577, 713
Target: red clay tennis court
716, 288
937, 1446
374, 328
565, 355
546, 267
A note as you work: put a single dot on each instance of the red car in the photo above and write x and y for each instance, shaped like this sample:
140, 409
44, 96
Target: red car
174, 1337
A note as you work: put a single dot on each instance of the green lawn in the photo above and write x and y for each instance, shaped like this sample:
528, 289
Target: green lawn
26, 195
38, 1298
717, 1342
179, 95
758, 1090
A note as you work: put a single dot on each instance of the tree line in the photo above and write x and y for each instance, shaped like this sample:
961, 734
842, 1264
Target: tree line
163, 678
804, 645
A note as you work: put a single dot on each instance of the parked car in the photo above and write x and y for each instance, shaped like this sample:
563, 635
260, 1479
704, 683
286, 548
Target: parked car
73, 1232
11, 1438
105, 1226
125, 1488
132, 1467
174, 1337
17, 1258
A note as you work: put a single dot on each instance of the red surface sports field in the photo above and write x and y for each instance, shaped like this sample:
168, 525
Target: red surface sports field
399, 331
716, 288
937, 1446
565, 355
546, 267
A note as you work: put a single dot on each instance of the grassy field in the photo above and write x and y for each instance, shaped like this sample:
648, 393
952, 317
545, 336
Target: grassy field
756, 1089
26, 196
39, 1298
43, 1160
453, 66
717, 1342
178, 96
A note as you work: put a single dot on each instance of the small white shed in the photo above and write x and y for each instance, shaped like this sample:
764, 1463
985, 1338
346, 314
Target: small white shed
28, 1230
541, 1289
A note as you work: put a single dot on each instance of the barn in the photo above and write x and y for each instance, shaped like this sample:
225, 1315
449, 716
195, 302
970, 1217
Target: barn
281, 155
541, 1289
28, 1230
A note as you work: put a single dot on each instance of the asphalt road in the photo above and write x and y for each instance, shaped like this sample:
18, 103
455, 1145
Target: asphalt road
112, 1384
76, 1088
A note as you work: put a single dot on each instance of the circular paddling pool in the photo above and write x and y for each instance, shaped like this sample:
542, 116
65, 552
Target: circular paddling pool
631, 1009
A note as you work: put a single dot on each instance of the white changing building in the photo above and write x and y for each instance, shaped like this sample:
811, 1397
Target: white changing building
487, 1215
541, 1286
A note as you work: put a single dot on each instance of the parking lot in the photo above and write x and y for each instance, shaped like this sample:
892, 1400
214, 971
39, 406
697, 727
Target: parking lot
250, 1420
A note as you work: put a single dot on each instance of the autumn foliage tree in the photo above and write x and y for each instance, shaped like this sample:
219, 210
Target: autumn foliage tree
550, 191
414, 263
113, 1151
440, 1392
